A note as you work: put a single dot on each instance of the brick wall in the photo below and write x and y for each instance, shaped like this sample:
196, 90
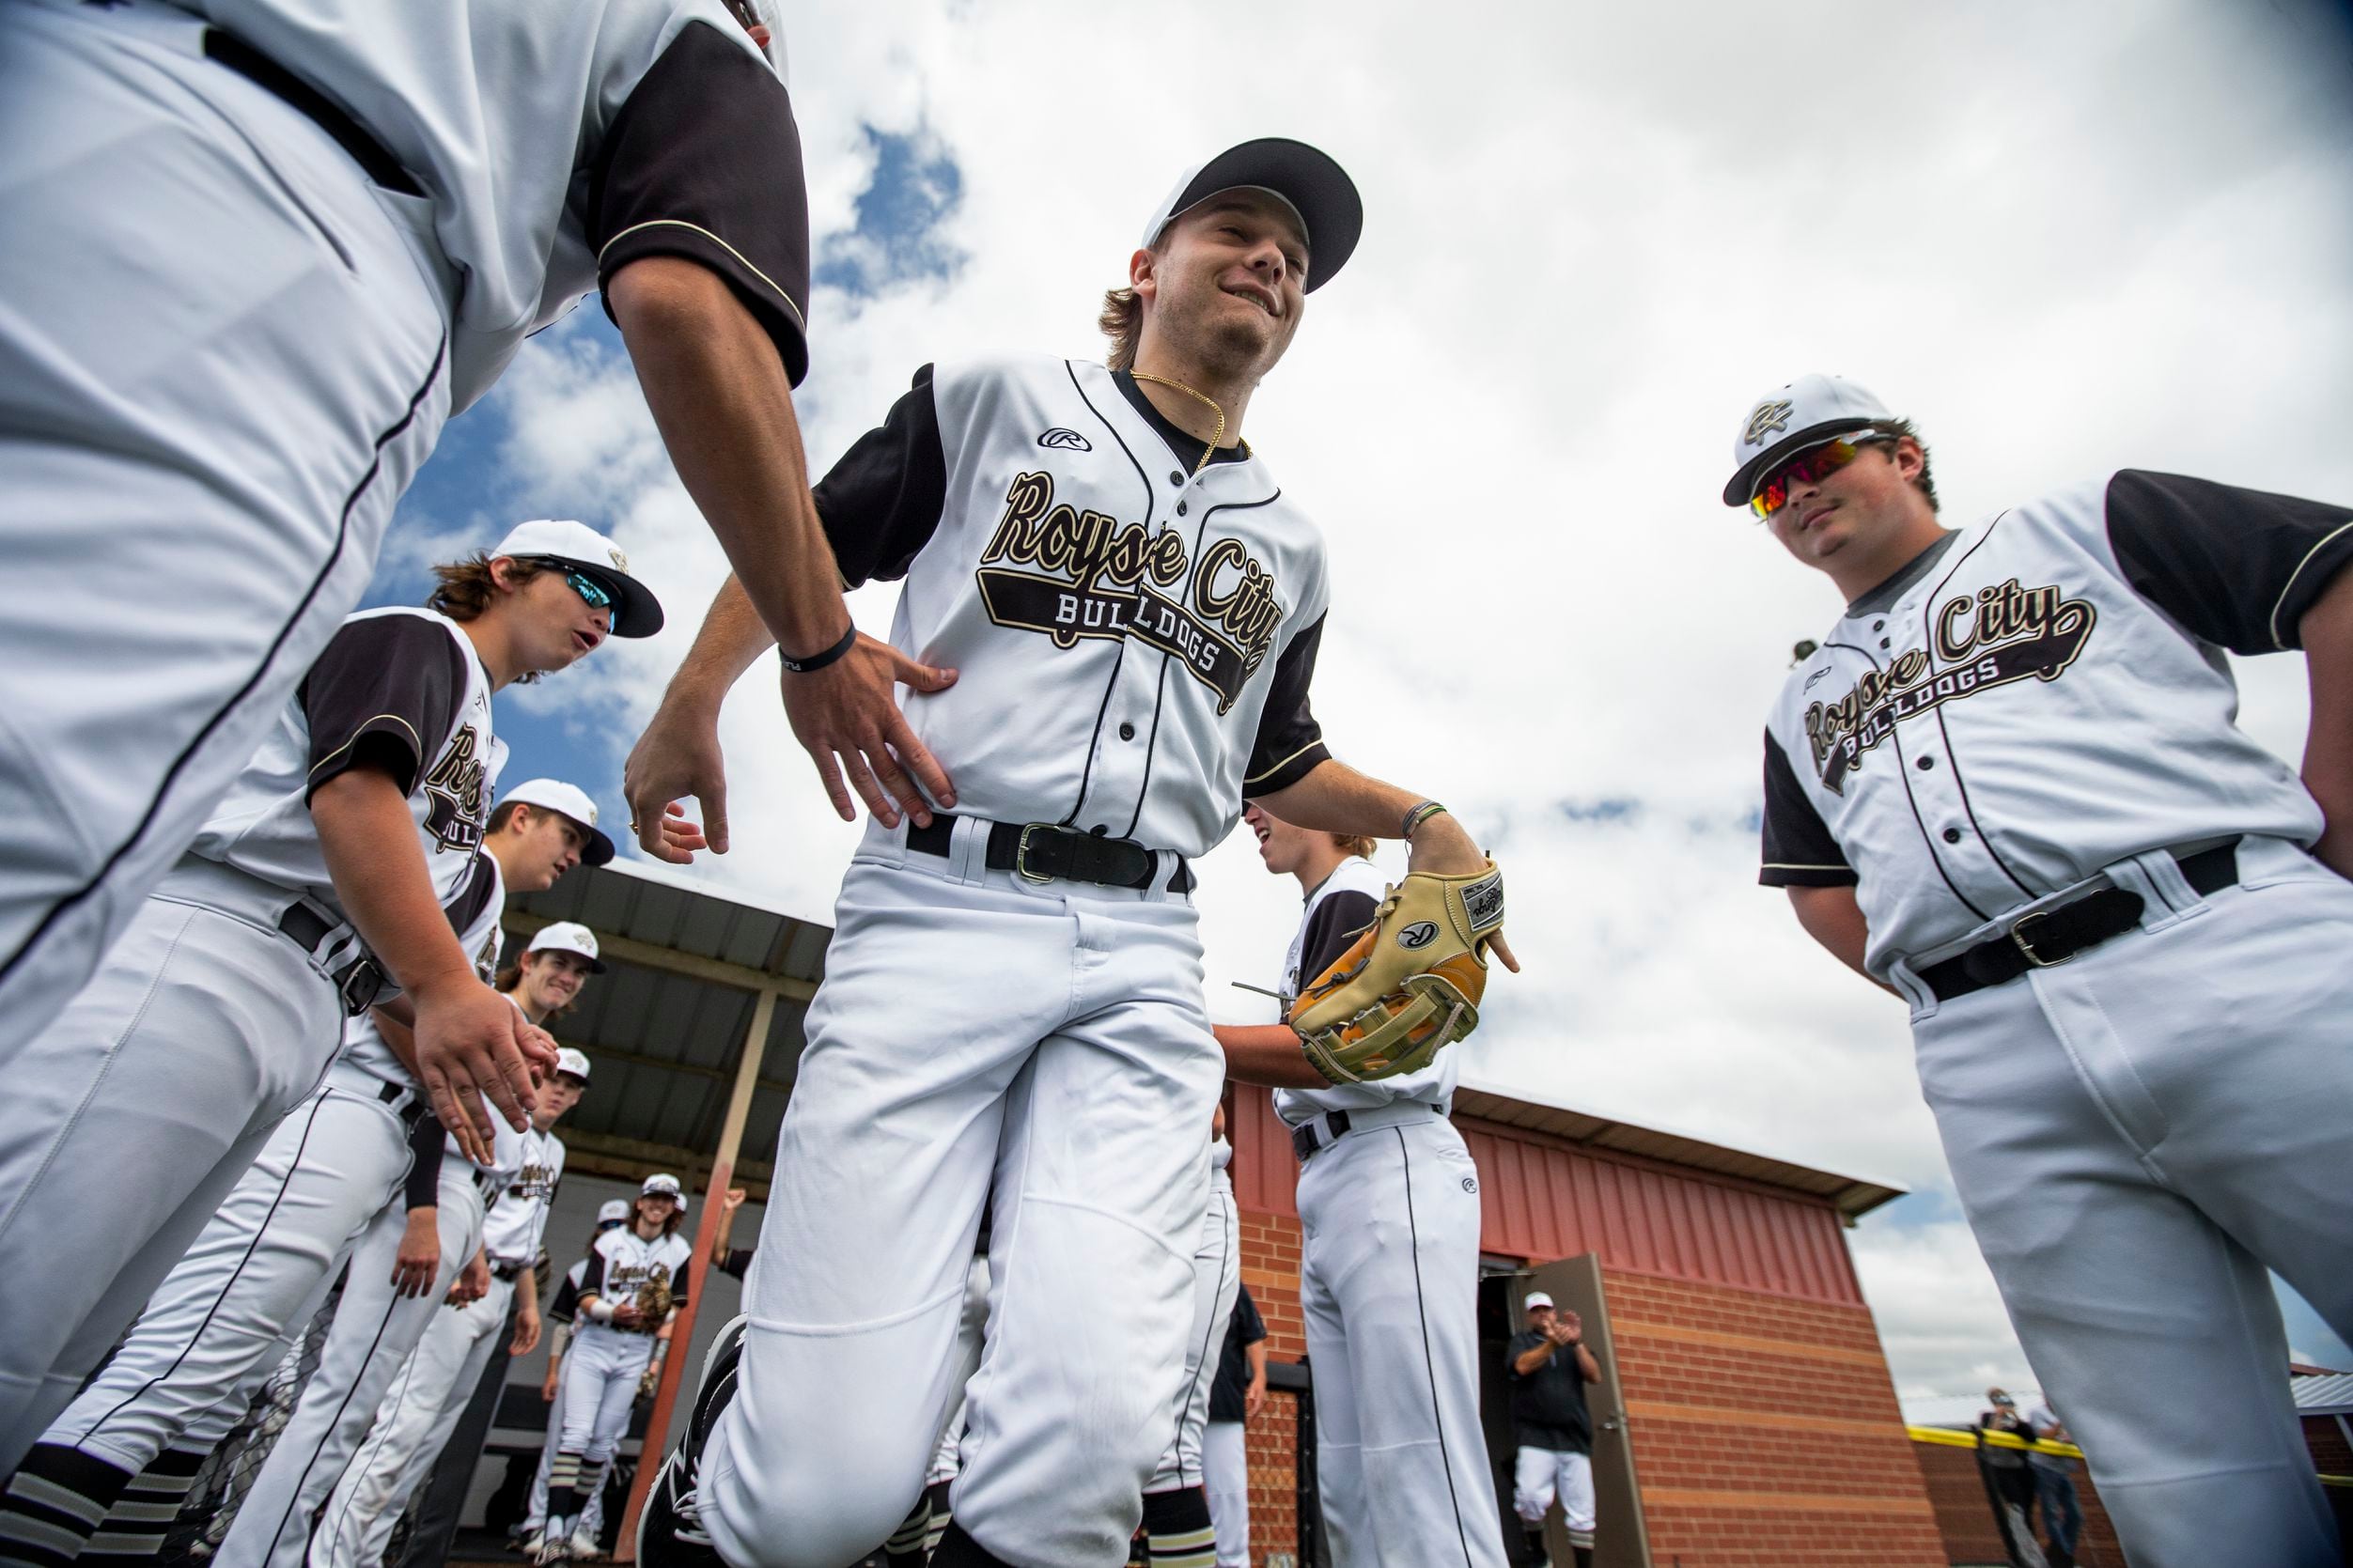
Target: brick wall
1765, 1430
1965, 1519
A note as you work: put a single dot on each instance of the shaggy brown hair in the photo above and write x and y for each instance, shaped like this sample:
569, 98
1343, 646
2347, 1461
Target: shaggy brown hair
511, 976
463, 589
1356, 844
1898, 429
1122, 320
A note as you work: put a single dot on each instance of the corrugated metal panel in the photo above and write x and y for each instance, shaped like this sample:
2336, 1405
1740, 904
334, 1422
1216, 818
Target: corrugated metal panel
2328, 1395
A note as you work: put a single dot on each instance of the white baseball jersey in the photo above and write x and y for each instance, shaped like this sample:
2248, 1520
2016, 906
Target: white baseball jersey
475, 915
1342, 905
512, 1229
1136, 637
558, 142
399, 686
622, 1259
2041, 696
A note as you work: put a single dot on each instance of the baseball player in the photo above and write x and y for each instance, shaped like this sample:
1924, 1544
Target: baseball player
329, 1185
2009, 787
1133, 604
636, 1280
1178, 1530
562, 1314
1548, 1366
1389, 1253
1237, 1395
327, 869
421, 1407
366, 208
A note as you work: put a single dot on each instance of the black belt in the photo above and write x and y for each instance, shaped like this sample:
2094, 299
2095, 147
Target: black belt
2048, 936
1307, 1138
357, 983
508, 1270
411, 1113
270, 77
1044, 853
483, 1181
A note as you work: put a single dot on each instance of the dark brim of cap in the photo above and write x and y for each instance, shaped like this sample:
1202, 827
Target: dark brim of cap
1752, 473
635, 611
1306, 178
596, 851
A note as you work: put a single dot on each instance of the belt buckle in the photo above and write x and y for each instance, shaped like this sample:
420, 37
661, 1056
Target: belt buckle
1020, 853
360, 983
2026, 945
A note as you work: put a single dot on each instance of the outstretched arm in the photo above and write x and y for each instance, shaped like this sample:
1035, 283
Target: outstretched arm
1268, 1053
1334, 797
2327, 633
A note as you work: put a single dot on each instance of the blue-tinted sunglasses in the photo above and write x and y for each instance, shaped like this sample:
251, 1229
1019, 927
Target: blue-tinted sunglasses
598, 596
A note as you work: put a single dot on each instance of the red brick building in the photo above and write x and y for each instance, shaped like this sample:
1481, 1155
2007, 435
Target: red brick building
1749, 1416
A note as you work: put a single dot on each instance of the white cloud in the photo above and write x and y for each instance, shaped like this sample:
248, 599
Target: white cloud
2064, 240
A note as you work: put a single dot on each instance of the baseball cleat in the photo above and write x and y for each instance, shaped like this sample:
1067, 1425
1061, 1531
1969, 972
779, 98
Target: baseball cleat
670, 1532
582, 1546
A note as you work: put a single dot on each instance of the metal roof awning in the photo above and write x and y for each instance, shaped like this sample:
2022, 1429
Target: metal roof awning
1852, 1196
2328, 1395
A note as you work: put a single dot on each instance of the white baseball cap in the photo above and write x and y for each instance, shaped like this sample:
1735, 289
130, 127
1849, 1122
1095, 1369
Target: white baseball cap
1535, 1299
664, 1186
635, 611
567, 936
1787, 420
1317, 189
574, 802
569, 1060
613, 1211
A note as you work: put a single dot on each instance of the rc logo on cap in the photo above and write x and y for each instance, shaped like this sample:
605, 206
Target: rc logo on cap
1769, 417
620, 561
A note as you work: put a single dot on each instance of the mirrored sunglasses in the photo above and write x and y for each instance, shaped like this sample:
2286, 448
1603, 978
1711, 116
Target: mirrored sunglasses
1815, 463
598, 596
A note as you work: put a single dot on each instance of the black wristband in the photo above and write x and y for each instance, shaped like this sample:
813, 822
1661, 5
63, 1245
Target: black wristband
819, 660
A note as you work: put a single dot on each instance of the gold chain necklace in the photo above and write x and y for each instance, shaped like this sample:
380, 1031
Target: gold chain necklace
1210, 450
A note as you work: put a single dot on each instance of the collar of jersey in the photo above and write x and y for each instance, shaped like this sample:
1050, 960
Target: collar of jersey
1182, 444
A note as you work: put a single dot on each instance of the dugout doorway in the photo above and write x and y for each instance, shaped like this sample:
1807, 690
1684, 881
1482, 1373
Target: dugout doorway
1620, 1540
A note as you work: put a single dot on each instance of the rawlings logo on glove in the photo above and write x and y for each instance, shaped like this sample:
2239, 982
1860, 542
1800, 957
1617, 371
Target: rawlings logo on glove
1409, 985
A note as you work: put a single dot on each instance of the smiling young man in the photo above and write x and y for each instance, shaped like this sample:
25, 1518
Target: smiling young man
356, 1171
2008, 785
327, 870
1135, 605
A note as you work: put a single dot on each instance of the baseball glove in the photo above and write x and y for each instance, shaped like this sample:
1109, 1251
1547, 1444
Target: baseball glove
654, 1305
1410, 983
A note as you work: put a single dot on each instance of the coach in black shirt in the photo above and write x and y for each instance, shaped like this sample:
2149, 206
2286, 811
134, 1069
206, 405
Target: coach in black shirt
1550, 1367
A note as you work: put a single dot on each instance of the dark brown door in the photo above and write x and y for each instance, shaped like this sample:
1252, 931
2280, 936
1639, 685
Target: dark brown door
1619, 1540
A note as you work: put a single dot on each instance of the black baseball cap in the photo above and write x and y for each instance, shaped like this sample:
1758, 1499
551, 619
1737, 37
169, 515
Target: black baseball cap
1316, 187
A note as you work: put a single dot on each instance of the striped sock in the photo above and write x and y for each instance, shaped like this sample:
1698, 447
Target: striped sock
904, 1549
54, 1504
937, 1495
136, 1525
1177, 1526
563, 1489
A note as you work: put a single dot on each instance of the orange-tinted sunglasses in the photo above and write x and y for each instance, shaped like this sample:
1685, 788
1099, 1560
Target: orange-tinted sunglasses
1815, 462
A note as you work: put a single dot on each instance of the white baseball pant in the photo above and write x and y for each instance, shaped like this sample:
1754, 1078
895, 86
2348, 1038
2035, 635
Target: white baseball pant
972, 1022
374, 1330
1217, 1281
1225, 1476
602, 1371
1389, 1282
221, 1320
412, 1421
1540, 1475
126, 1124
536, 1517
2136, 1135
220, 365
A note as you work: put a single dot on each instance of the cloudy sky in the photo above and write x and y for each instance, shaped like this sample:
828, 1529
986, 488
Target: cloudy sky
2064, 238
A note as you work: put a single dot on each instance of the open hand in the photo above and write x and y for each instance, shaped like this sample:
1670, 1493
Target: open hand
418, 1260
678, 757
846, 717
471, 1042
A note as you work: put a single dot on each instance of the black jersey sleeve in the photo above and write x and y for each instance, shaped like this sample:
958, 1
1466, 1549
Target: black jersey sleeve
1333, 928
1290, 743
881, 503
383, 696
567, 1303
737, 1261
592, 1278
1799, 850
703, 161
682, 1280
422, 1189
2236, 568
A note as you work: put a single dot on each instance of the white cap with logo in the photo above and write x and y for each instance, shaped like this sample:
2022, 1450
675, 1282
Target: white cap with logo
613, 1211
569, 800
567, 936
635, 611
663, 1186
572, 1060
1784, 422
1535, 1299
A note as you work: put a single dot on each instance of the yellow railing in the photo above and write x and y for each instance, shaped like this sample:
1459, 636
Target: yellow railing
1968, 1440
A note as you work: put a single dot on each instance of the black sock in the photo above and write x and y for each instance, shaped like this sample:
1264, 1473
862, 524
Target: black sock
1584, 1556
54, 1504
959, 1550
1178, 1524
